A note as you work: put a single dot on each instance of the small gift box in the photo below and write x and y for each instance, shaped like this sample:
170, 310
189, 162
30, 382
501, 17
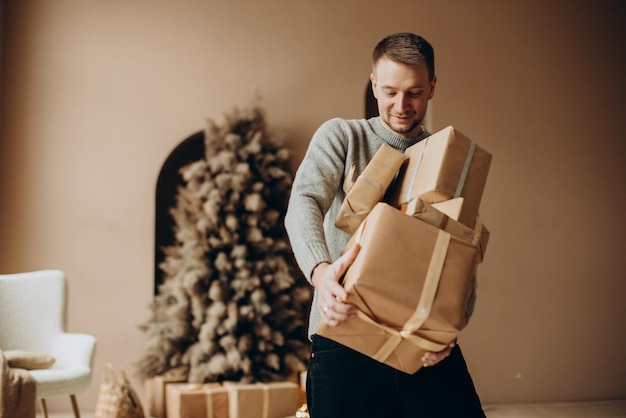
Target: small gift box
443, 215
193, 400
369, 187
444, 166
262, 400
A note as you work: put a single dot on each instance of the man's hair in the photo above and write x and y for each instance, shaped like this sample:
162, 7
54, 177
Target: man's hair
406, 48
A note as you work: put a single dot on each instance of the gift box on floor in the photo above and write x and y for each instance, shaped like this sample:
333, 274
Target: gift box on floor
444, 166
154, 388
369, 187
195, 400
410, 282
262, 400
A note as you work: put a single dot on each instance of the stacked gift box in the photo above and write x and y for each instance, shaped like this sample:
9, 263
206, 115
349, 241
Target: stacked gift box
171, 396
421, 241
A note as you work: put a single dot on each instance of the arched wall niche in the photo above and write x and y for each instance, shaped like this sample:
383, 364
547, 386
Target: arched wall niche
189, 150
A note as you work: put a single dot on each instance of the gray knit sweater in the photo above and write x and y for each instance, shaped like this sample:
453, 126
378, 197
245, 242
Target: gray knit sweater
317, 192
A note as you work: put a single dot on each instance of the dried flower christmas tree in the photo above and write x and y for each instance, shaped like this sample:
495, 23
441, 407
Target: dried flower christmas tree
233, 305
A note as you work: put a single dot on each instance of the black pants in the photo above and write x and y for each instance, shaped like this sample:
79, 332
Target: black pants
342, 383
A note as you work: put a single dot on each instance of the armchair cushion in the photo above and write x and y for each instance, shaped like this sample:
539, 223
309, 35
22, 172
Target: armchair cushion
29, 360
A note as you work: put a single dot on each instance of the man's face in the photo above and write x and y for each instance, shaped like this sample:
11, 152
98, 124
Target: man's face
403, 92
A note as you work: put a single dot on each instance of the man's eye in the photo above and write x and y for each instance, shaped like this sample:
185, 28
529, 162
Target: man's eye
415, 94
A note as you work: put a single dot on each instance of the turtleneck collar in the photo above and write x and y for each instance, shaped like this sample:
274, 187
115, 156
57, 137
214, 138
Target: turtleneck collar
398, 142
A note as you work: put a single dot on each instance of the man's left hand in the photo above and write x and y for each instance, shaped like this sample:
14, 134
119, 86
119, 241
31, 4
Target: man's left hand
430, 359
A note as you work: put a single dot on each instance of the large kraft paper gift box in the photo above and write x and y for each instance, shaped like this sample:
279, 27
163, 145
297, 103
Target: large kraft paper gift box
262, 400
195, 400
443, 166
155, 391
369, 187
410, 282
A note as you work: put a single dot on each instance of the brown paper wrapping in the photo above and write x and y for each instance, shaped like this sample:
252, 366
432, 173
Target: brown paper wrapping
444, 166
369, 188
194, 400
431, 214
451, 207
410, 283
262, 400
154, 388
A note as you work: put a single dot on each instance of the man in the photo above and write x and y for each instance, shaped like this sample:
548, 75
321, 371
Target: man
340, 381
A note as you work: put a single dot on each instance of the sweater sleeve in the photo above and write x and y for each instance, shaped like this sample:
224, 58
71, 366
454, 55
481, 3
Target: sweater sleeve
316, 185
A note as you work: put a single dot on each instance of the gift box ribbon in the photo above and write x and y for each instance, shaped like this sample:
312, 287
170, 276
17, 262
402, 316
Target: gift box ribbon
463, 176
210, 407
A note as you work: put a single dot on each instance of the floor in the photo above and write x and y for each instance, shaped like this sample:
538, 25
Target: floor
603, 409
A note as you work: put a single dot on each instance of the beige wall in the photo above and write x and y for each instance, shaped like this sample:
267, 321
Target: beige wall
96, 94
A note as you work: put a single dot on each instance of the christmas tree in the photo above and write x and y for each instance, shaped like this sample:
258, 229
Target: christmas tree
233, 304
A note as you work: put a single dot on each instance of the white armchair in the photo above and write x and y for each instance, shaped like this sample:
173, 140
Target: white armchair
33, 310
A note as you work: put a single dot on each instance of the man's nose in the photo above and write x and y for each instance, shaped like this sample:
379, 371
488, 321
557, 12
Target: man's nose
402, 101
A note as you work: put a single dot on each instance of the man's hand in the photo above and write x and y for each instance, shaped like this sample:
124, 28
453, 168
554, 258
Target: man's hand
332, 296
430, 359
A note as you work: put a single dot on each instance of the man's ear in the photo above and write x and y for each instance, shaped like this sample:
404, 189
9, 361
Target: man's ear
373, 81
432, 87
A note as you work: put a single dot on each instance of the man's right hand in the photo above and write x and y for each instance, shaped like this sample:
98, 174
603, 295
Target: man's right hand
332, 297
